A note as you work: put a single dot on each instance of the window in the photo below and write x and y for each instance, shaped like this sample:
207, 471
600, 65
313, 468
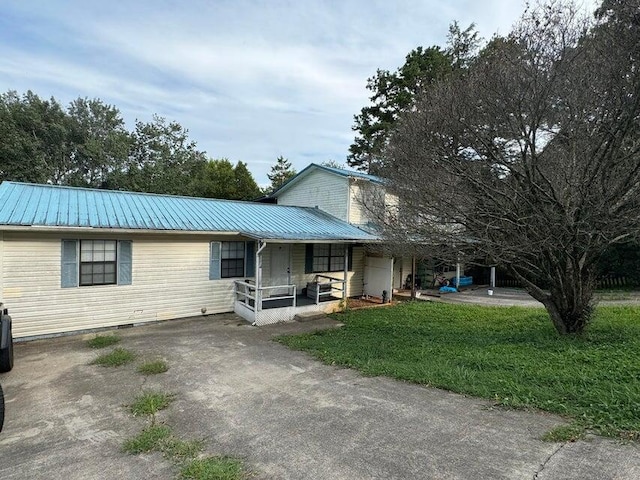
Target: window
96, 262
232, 259
324, 257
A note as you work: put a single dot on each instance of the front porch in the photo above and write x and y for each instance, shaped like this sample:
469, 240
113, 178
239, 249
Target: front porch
281, 303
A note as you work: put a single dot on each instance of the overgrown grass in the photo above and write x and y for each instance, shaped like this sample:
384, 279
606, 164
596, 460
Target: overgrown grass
151, 438
150, 403
153, 367
511, 355
102, 341
116, 358
213, 468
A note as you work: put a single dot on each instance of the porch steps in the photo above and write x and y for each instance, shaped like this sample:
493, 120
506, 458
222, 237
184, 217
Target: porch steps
308, 316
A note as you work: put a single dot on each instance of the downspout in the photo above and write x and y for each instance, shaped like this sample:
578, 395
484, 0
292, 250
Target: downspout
346, 272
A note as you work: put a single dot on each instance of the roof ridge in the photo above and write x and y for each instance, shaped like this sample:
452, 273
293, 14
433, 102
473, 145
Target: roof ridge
150, 194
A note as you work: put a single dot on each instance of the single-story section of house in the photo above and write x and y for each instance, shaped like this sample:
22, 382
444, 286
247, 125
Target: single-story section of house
73, 259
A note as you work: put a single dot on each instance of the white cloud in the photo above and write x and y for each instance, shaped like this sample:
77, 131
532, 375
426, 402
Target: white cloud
251, 80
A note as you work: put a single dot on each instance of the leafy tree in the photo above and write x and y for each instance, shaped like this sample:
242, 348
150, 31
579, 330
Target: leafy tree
34, 136
246, 186
333, 164
216, 179
162, 159
281, 171
100, 142
531, 157
394, 92
220, 179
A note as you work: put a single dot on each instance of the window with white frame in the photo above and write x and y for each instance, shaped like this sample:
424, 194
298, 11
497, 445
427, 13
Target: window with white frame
232, 259
97, 262
328, 257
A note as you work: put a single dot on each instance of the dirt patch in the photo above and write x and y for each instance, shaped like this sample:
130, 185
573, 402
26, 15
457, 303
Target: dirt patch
368, 302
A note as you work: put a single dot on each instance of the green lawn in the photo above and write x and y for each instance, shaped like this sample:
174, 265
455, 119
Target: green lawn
510, 355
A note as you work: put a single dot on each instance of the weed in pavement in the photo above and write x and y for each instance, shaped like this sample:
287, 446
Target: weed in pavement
149, 439
565, 433
102, 341
116, 358
153, 368
150, 403
213, 468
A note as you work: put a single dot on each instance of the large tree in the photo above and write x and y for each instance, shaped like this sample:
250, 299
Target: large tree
162, 159
100, 145
281, 172
34, 138
394, 92
220, 179
530, 158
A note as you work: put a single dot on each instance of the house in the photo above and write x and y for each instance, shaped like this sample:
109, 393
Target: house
345, 194
73, 259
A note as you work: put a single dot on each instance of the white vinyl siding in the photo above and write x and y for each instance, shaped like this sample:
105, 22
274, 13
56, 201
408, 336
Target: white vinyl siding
171, 280
327, 191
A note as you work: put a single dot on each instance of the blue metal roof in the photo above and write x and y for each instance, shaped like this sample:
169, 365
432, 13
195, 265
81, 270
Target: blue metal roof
24, 204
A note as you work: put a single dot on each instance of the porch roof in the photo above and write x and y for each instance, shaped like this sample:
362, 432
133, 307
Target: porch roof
58, 207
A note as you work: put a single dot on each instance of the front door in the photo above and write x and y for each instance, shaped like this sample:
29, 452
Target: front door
280, 273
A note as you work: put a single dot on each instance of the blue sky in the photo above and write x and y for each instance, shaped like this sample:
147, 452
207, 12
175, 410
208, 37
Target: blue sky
251, 80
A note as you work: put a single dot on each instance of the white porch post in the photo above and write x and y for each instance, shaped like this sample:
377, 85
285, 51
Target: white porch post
346, 271
390, 282
458, 275
413, 277
492, 281
261, 247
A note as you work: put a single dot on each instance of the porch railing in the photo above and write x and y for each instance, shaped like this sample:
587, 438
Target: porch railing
253, 297
325, 286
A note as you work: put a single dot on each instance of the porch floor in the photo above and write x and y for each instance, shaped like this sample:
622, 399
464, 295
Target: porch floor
301, 301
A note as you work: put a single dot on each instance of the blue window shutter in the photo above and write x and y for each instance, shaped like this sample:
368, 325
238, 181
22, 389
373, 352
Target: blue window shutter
350, 259
250, 259
214, 261
125, 257
308, 258
69, 265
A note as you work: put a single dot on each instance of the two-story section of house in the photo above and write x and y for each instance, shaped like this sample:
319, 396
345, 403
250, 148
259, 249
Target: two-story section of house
350, 196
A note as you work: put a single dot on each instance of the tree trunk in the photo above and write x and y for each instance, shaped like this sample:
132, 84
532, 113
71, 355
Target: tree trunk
569, 302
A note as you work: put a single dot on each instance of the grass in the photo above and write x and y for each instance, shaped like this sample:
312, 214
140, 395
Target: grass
510, 355
153, 367
179, 450
160, 438
565, 433
213, 468
148, 440
150, 403
116, 358
102, 341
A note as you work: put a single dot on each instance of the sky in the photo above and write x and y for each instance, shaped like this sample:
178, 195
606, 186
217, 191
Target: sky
250, 80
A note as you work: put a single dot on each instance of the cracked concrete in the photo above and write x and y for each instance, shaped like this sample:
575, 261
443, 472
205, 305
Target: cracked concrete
547, 460
287, 415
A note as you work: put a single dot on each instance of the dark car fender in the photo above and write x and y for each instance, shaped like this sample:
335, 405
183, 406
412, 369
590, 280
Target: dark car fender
5, 321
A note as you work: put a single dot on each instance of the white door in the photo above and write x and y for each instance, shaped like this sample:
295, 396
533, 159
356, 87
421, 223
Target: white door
280, 273
378, 276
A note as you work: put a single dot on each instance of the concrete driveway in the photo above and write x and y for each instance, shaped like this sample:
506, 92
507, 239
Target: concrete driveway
286, 415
